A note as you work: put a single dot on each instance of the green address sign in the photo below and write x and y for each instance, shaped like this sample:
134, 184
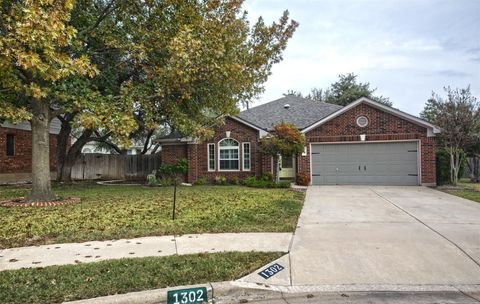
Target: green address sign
187, 296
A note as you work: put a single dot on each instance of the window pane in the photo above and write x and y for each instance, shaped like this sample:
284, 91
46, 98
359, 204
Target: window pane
211, 157
10, 145
228, 153
234, 164
287, 162
246, 156
229, 143
229, 165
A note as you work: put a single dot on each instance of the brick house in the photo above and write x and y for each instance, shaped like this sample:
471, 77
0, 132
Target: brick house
362, 143
16, 150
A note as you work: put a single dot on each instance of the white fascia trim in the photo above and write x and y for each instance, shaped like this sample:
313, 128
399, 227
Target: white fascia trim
260, 130
431, 129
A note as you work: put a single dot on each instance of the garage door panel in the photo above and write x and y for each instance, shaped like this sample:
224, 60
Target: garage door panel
393, 163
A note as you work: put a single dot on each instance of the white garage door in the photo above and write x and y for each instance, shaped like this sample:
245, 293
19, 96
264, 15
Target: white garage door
392, 163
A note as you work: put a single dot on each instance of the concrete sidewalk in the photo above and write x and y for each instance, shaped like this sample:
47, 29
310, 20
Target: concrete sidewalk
74, 253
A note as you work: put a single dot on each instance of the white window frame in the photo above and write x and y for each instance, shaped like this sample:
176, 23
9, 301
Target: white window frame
249, 156
228, 148
209, 159
366, 121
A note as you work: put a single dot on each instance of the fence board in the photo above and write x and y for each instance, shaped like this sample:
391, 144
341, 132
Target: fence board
469, 167
114, 166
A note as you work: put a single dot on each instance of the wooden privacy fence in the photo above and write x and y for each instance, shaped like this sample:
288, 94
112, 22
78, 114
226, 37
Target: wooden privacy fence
114, 166
470, 166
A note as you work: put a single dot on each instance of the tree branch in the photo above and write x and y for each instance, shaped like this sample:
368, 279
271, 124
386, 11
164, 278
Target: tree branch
106, 11
103, 139
146, 144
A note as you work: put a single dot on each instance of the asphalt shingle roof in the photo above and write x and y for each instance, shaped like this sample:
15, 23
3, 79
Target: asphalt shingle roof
302, 112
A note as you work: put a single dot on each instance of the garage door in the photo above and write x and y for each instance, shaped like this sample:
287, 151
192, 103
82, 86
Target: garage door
392, 163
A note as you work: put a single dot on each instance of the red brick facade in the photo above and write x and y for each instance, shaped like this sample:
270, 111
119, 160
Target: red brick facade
382, 126
197, 154
173, 152
21, 161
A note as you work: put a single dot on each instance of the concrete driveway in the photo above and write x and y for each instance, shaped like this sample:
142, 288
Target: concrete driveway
386, 236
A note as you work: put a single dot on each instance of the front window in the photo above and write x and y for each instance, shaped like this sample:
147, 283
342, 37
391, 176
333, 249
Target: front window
228, 152
211, 157
246, 156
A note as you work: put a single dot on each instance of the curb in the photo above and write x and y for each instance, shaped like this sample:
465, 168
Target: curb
236, 292
225, 290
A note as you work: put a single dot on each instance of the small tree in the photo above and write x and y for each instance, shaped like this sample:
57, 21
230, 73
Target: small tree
174, 171
284, 139
459, 118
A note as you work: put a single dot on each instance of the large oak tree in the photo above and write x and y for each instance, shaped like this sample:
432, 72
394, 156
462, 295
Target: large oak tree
99, 65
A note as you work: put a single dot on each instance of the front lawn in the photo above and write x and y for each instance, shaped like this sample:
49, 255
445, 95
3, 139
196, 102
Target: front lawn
465, 189
73, 282
113, 212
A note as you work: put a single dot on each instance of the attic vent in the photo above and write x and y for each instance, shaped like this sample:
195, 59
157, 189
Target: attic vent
286, 106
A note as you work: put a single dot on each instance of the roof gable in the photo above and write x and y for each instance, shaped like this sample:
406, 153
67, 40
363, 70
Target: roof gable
432, 129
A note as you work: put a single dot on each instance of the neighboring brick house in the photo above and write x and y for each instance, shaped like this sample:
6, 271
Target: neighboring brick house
362, 143
16, 150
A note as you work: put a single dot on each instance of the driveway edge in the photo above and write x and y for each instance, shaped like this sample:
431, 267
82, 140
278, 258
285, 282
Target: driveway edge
225, 290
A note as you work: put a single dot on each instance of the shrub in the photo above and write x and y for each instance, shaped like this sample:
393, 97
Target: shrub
165, 181
180, 167
201, 181
267, 176
303, 179
235, 180
264, 183
220, 180
152, 180
250, 181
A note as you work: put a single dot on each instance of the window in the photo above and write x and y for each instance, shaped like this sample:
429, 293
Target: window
211, 157
246, 156
287, 162
228, 152
362, 121
10, 145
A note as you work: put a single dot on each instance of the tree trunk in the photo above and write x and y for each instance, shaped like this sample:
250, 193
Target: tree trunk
456, 159
41, 184
62, 143
66, 174
455, 170
73, 154
452, 166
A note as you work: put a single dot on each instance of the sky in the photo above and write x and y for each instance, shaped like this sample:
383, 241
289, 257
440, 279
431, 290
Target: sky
404, 48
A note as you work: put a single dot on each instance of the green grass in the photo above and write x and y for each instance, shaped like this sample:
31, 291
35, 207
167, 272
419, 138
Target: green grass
66, 283
113, 212
465, 189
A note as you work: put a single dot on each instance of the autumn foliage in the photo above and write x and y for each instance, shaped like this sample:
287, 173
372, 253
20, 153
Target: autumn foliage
111, 67
285, 139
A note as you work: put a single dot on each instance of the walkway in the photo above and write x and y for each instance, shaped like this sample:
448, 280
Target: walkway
74, 253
